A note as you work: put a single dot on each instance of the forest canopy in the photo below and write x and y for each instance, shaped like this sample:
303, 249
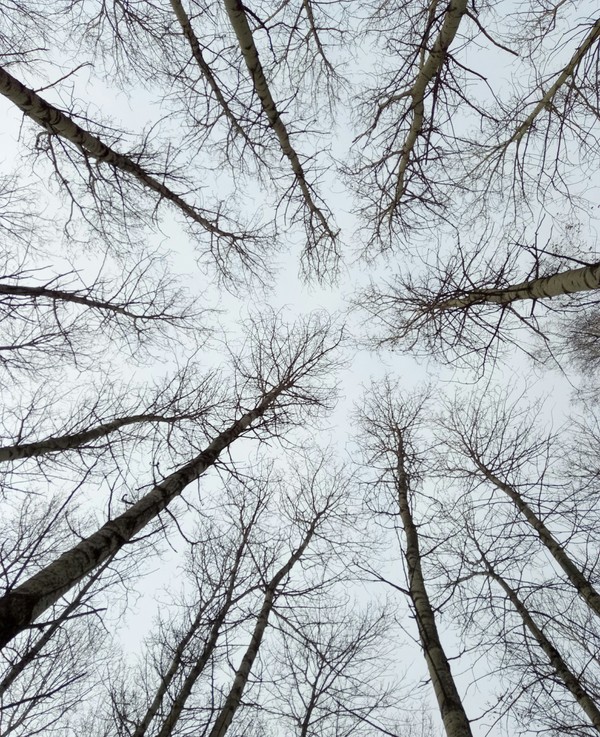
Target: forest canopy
299, 339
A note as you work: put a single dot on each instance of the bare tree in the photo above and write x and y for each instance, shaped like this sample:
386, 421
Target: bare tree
276, 369
500, 445
328, 665
391, 424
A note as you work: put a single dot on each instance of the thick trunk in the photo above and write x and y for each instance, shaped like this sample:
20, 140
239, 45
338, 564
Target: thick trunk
584, 588
34, 651
21, 606
570, 680
58, 123
450, 705
74, 440
557, 285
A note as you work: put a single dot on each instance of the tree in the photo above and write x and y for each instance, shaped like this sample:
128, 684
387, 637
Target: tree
167, 167
390, 424
276, 368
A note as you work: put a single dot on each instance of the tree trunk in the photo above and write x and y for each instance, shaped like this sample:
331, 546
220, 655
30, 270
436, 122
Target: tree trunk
429, 69
452, 711
584, 588
570, 680
58, 123
233, 700
74, 440
21, 606
239, 22
565, 282
210, 644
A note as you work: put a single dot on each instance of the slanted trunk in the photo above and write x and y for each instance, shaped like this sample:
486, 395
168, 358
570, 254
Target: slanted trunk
210, 644
71, 441
584, 588
21, 606
60, 124
430, 68
450, 705
239, 23
234, 698
566, 675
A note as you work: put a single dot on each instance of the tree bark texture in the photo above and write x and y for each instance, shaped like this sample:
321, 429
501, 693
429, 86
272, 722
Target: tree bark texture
56, 122
21, 606
566, 675
556, 285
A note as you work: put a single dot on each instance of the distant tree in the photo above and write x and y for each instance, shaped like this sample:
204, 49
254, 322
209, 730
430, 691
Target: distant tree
391, 424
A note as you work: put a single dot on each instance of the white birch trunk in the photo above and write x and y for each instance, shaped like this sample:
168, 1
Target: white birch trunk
239, 22
456, 723
567, 72
557, 285
21, 606
58, 123
188, 32
584, 588
429, 69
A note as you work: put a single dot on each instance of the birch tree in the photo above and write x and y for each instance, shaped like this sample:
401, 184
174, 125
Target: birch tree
471, 305
497, 444
275, 371
390, 424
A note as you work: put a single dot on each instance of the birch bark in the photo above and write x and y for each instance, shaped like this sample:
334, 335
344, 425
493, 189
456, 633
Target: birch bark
239, 23
429, 69
60, 124
566, 675
565, 282
21, 606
